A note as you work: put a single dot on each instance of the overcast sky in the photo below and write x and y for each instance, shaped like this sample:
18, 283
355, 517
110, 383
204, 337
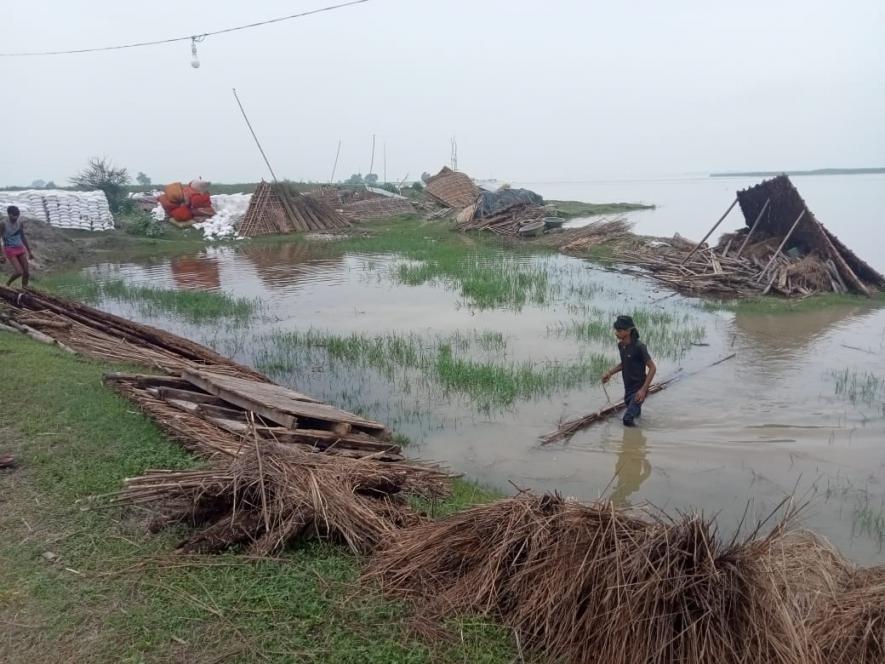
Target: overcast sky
533, 90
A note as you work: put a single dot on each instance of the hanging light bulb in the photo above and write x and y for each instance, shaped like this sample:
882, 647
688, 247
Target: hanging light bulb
195, 61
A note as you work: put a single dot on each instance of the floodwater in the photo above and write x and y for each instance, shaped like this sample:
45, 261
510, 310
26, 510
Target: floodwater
851, 206
798, 410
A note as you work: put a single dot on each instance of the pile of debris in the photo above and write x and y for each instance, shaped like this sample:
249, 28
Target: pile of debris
504, 212
783, 249
193, 403
363, 203
278, 209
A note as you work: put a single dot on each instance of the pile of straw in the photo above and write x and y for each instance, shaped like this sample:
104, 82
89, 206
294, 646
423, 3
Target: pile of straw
589, 583
849, 627
273, 494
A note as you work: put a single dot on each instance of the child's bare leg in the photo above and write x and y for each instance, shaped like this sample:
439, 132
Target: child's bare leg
13, 261
26, 270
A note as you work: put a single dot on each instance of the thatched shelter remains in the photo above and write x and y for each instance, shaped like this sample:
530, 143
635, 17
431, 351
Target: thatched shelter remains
780, 205
452, 189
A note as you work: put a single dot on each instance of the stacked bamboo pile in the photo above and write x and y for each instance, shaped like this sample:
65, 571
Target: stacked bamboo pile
594, 583
83, 329
272, 495
213, 414
506, 222
278, 208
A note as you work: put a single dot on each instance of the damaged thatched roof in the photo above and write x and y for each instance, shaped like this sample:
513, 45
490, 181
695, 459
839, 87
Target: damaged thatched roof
453, 189
784, 207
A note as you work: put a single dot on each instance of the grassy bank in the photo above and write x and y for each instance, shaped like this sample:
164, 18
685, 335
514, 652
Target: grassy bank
572, 209
769, 304
92, 586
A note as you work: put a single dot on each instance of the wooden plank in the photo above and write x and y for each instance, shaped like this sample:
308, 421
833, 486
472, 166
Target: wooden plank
187, 395
273, 402
244, 402
150, 380
318, 438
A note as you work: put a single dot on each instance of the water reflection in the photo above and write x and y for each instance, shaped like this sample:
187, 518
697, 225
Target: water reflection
195, 272
281, 266
632, 467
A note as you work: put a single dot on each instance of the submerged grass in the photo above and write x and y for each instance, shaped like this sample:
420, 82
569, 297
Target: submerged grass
666, 333
192, 305
486, 272
860, 387
457, 364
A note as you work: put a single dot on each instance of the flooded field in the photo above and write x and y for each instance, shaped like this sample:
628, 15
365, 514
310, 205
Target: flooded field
473, 358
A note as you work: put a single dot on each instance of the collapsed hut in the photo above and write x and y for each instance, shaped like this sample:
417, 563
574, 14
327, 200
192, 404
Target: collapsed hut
783, 248
504, 212
452, 189
277, 208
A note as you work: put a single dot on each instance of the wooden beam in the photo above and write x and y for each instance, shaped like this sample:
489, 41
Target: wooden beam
710, 232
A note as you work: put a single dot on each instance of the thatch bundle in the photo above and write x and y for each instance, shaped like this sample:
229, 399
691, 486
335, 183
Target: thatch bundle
589, 583
273, 494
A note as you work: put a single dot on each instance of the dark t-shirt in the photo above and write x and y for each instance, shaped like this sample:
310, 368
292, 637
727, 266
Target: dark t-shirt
633, 359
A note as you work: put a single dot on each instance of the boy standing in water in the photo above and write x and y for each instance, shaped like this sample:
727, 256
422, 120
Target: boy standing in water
636, 367
15, 246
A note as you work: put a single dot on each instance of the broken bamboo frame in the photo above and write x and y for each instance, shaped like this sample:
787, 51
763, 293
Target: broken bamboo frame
753, 227
781, 245
710, 232
568, 429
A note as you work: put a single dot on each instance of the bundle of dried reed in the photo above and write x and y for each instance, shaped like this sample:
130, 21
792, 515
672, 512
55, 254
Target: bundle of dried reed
592, 583
271, 495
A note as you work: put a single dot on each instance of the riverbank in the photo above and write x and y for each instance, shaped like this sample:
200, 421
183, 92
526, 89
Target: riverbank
95, 586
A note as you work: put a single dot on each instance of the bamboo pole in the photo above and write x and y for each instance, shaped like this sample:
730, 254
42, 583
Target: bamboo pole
252, 131
568, 429
753, 227
335, 165
710, 232
783, 242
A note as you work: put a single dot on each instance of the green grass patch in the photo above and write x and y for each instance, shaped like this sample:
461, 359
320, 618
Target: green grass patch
192, 305
572, 209
110, 592
472, 365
